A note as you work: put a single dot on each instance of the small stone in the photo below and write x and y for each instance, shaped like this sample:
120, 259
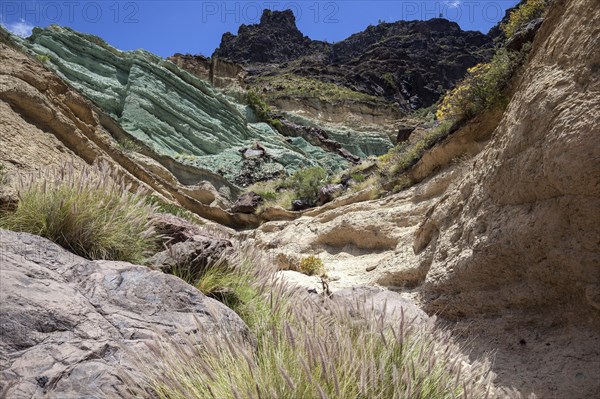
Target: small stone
371, 268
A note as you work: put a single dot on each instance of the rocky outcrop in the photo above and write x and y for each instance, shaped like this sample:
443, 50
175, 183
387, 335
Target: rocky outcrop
411, 62
514, 244
76, 328
220, 73
525, 213
45, 123
247, 203
176, 115
275, 39
525, 34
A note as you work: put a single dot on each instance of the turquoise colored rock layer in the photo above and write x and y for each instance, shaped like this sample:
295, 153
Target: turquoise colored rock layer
172, 111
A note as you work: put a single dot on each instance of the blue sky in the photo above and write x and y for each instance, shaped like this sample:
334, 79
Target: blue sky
167, 27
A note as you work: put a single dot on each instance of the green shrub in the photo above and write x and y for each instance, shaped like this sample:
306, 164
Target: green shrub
307, 182
311, 265
42, 58
262, 110
86, 211
528, 11
303, 184
358, 177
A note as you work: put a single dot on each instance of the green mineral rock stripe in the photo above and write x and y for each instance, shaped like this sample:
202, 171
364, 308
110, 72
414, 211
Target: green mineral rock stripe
174, 112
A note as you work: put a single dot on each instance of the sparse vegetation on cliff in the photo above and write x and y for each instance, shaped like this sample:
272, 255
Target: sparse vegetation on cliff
526, 12
87, 211
294, 86
261, 109
482, 88
304, 184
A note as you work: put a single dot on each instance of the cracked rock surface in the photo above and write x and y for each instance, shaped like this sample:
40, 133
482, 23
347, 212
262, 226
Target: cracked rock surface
74, 328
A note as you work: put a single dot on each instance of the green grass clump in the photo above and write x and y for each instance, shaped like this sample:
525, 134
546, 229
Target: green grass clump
311, 265
307, 182
309, 347
262, 110
42, 58
86, 211
528, 11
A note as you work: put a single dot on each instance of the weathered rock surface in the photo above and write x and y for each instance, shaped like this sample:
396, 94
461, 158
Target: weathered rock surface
526, 215
329, 192
74, 328
247, 203
394, 308
220, 73
411, 62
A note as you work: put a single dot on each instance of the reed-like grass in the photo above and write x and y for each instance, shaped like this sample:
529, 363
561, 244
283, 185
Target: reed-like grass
87, 211
309, 347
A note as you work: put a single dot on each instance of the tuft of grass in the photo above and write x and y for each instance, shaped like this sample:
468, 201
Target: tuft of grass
88, 212
42, 58
404, 156
312, 348
528, 11
311, 265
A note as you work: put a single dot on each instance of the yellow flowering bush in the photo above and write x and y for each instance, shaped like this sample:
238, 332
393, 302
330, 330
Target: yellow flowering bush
526, 12
480, 89
312, 265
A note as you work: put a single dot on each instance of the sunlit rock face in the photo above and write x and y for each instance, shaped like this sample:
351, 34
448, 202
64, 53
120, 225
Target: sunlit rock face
174, 112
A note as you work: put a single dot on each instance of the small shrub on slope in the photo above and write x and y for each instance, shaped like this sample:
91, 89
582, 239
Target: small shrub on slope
86, 211
482, 88
306, 182
311, 265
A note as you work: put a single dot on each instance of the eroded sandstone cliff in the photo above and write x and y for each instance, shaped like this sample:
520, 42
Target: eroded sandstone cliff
506, 243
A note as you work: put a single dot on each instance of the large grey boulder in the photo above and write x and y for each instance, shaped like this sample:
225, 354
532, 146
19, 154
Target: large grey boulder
394, 308
70, 327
